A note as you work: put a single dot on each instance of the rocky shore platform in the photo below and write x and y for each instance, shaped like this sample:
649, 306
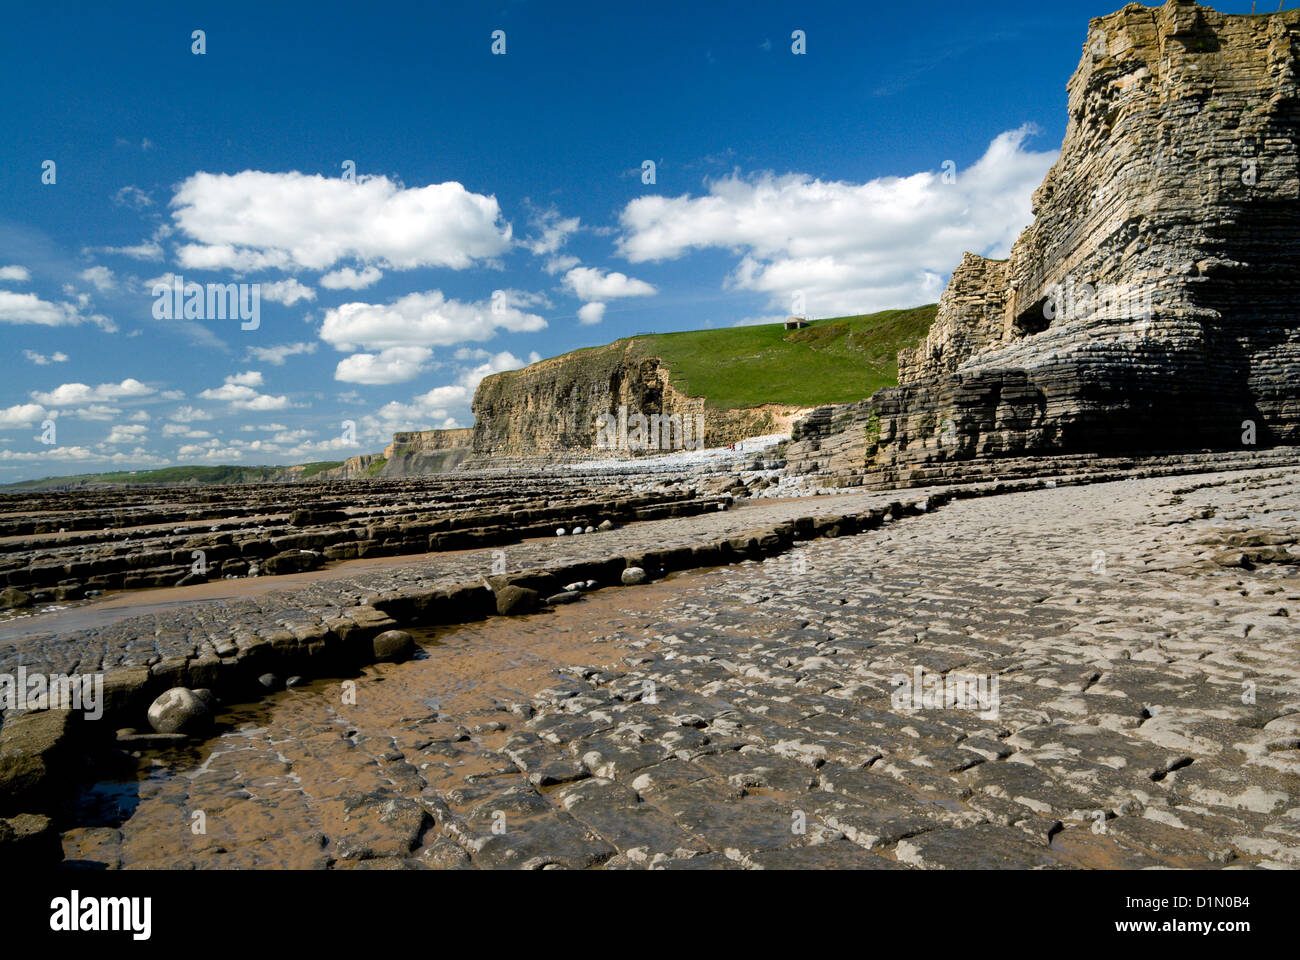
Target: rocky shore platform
762, 700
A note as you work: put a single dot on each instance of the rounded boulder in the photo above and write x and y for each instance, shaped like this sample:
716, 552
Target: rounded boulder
393, 646
179, 710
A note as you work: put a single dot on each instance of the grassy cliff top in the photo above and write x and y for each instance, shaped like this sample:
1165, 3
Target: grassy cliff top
836, 360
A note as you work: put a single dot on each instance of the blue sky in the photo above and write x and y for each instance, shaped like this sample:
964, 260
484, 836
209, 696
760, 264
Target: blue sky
499, 211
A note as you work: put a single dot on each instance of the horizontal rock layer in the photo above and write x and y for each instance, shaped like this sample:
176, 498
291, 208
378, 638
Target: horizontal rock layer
1175, 200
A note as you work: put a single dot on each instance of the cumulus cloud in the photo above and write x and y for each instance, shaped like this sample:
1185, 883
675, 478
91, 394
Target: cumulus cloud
435, 409
288, 292
254, 220
590, 314
393, 365
22, 415
240, 396
125, 433
588, 283
189, 415
41, 360
249, 378
425, 319
181, 430
15, 274
276, 355
99, 277
96, 411
27, 308
72, 394
846, 247
561, 263
553, 231
345, 278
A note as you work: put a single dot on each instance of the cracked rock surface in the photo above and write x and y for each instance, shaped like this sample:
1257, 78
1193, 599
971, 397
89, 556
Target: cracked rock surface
1146, 712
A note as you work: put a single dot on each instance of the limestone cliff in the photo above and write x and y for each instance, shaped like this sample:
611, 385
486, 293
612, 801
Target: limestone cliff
352, 468
551, 408
419, 452
1151, 303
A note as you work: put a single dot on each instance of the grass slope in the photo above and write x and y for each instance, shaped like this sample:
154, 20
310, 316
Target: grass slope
836, 360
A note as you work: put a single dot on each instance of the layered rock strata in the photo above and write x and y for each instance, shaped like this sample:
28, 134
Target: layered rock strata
1150, 305
426, 451
552, 409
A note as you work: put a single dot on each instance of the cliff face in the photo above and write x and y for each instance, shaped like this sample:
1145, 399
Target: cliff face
419, 452
552, 408
429, 441
1151, 304
352, 468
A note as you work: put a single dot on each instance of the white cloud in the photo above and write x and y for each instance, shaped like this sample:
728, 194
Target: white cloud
553, 232
276, 355
847, 247
15, 274
249, 378
561, 263
189, 415
288, 292
393, 365
243, 397
123, 433
29, 308
71, 394
58, 356
590, 284
180, 430
424, 319
433, 410
96, 411
22, 415
132, 196
254, 219
145, 250
590, 314
100, 277
346, 278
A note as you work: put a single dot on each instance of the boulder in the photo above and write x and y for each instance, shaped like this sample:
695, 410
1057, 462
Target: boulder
393, 646
512, 600
11, 597
180, 710
632, 576
292, 561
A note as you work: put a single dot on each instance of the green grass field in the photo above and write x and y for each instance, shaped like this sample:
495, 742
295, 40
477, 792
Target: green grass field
836, 360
